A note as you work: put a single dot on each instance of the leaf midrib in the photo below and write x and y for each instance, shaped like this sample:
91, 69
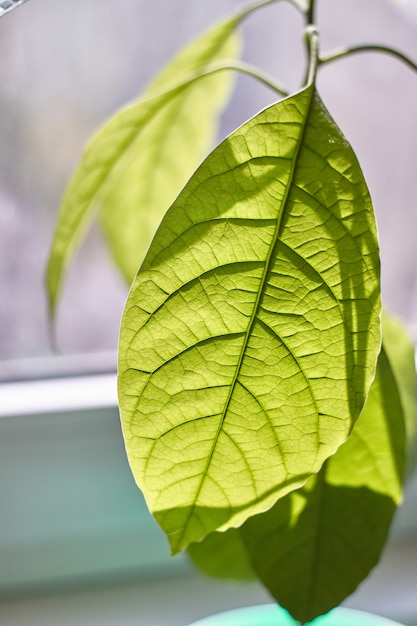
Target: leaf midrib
321, 487
268, 259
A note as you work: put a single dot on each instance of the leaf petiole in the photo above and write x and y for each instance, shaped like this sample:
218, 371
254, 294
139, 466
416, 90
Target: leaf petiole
344, 52
250, 70
236, 66
298, 4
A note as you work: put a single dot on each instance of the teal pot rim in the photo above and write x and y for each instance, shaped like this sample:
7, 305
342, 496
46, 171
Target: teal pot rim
273, 615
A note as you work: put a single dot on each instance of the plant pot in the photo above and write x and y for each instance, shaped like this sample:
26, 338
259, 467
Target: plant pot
273, 615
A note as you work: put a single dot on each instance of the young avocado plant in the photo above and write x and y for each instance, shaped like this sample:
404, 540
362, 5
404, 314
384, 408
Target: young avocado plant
264, 421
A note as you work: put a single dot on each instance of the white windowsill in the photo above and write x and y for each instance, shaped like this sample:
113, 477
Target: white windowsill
72, 514
58, 394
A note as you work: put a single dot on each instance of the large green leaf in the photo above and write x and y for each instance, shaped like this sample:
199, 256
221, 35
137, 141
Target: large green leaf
250, 335
131, 167
315, 546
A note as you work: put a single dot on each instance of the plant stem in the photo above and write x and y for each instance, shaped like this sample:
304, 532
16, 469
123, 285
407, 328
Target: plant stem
236, 66
298, 4
344, 52
312, 39
249, 70
310, 13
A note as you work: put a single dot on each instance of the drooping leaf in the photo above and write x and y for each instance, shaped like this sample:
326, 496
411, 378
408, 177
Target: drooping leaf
401, 354
131, 167
154, 172
250, 336
314, 547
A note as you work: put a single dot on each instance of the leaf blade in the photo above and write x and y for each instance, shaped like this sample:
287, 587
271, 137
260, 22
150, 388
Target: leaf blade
315, 546
234, 279
188, 125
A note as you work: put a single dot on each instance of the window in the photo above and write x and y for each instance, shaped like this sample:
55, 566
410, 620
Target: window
66, 66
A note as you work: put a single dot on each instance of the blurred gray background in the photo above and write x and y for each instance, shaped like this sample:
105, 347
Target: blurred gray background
66, 66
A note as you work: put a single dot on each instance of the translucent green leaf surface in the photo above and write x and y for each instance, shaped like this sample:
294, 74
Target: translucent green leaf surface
315, 546
131, 168
250, 336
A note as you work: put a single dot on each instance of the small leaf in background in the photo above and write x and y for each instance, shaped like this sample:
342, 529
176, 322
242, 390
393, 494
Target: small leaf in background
131, 167
401, 354
314, 547
251, 333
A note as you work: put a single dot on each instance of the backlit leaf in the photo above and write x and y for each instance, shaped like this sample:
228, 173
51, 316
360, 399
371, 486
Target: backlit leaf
154, 172
131, 167
315, 546
250, 336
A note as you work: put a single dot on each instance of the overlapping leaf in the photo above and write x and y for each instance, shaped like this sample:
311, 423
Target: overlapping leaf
223, 555
250, 336
187, 126
313, 548
131, 168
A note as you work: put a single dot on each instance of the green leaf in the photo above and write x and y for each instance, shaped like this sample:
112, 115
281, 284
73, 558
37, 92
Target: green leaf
401, 354
223, 555
131, 168
315, 546
154, 174
250, 336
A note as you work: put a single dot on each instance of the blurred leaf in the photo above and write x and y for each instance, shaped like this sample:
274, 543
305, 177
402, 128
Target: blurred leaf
251, 333
170, 147
131, 167
314, 547
401, 354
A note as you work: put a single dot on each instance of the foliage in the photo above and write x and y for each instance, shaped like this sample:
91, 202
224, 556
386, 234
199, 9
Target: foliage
261, 417
344, 510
